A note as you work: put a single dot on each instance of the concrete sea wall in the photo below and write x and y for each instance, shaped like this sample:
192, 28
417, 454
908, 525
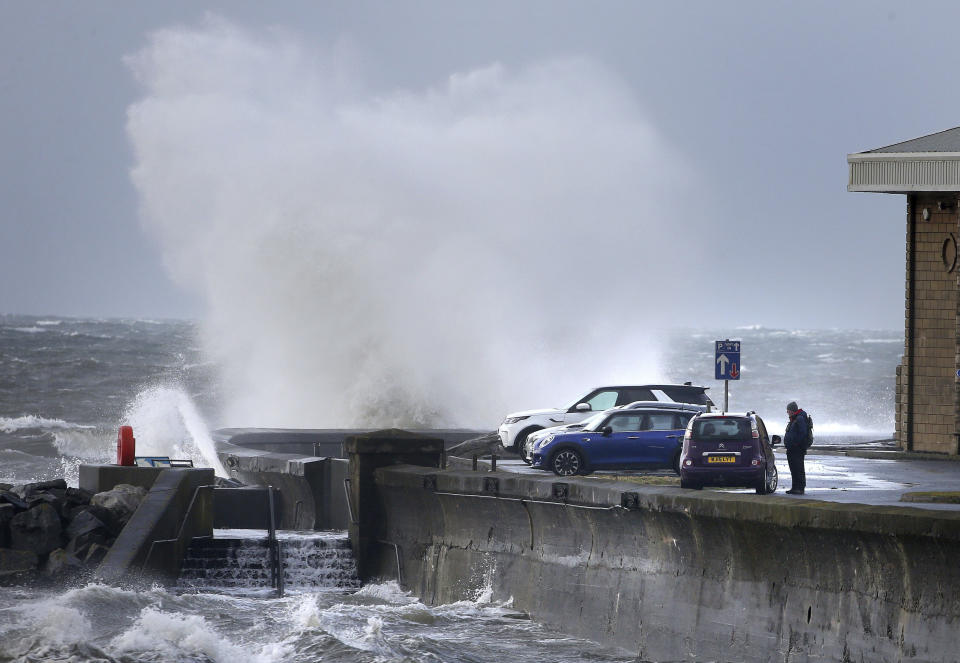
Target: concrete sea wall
676, 575
308, 467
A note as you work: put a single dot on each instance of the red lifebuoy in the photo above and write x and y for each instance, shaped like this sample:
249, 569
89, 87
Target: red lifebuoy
126, 446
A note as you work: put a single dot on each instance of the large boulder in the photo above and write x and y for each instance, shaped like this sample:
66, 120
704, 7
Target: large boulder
77, 497
48, 497
95, 554
103, 515
59, 563
83, 522
10, 497
86, 529
14, 563
80, 545
37, 530
28, 489
120, 502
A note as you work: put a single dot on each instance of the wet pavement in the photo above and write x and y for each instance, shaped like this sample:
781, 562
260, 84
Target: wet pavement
840, 478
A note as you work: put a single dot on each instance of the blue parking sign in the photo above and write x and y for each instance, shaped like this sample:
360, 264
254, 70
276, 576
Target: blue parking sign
727, 360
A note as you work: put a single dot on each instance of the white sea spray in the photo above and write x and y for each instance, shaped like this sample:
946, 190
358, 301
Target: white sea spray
409, 256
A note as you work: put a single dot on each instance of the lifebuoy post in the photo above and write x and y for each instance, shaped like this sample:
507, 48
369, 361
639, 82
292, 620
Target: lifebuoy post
126, 446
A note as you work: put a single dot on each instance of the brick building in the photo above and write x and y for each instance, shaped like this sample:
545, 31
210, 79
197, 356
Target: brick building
927, 170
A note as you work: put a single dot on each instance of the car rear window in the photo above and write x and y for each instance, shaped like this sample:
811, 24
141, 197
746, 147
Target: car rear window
721, 429
695, 395
631, 394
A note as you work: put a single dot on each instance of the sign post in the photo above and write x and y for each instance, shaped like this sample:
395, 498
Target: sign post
727, 366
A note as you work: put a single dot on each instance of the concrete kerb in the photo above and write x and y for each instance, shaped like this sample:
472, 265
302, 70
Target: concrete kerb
882, 454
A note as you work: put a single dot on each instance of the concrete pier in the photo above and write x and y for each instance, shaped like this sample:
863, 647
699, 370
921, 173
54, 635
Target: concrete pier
672, 574
667, 573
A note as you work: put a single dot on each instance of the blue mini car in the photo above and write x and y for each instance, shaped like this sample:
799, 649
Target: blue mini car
620, 439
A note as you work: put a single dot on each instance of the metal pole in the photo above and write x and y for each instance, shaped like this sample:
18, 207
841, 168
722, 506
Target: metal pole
279, 570
726, 396
275, 570
493, 463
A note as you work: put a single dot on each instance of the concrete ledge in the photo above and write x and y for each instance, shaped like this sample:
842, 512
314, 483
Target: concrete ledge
311, 493
99, 478
323, 442
159, 518
767, 509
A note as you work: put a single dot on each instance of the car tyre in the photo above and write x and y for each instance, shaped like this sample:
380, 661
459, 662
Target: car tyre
519, 444
567, 462
526, 451
770, 480
525, 454
686, 483
676, 463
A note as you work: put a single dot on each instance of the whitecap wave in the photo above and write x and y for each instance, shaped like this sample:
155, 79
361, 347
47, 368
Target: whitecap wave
172, 636
838, 428
391, 592
31, 421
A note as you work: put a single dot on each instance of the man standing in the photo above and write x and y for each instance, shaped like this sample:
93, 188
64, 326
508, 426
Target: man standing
795, 441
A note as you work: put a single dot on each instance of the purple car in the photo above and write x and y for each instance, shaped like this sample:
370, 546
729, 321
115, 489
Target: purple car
723, 449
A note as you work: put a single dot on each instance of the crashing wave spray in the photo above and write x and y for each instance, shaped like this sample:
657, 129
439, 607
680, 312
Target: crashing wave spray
432, 257
166, 423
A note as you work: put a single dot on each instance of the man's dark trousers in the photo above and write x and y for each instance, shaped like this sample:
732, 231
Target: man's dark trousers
798, 475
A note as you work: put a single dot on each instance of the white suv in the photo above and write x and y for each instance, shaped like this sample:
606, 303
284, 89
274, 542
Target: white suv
515, 428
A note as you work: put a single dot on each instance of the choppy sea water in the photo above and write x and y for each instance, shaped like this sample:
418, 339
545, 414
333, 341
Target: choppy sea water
376, 624
66, 384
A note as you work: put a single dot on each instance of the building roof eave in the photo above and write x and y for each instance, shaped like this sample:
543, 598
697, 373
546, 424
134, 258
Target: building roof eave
904, 172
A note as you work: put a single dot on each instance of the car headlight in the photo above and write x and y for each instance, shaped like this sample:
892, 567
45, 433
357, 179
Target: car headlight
545, 441
513, 420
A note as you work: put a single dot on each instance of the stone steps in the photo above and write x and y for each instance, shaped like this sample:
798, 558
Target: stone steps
308, 563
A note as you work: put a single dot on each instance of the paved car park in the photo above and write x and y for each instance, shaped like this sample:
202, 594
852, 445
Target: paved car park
834, 477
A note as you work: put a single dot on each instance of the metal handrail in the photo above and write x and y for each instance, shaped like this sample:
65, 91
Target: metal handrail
276, 571
180, 539
347, 485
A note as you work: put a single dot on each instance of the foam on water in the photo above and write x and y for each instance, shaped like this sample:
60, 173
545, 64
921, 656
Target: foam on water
381, 622
175, 637
28, 422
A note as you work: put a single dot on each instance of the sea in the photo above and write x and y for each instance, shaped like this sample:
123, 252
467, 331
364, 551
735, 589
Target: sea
66, 384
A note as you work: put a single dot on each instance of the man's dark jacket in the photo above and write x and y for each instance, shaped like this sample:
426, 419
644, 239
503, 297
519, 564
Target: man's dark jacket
795, 437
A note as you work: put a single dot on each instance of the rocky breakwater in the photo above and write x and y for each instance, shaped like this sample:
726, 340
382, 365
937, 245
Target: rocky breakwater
52, 532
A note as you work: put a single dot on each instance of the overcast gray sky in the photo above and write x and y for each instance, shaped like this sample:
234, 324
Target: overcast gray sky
761, 102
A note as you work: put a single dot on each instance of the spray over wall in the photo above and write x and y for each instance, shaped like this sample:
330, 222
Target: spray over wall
406, 257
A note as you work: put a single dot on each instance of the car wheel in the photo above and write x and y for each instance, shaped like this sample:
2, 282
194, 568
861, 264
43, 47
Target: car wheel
566, 463
525, 456
676, 463
769, 482
519, 444
686, 483
526, 452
